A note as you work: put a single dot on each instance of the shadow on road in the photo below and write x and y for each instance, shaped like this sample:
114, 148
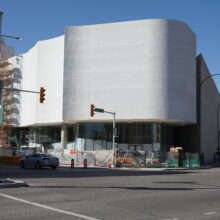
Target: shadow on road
16, 172
129, 188
190, 183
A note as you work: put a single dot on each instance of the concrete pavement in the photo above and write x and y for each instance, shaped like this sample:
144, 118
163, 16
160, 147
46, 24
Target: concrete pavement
9, 183
111, 194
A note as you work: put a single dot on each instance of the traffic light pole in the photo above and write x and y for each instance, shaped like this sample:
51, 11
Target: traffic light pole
93, 109
19, 90
42, 91
113, 138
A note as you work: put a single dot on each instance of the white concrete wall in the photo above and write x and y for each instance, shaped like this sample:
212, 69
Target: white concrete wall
43, 67
28, 101
50, 76
143, 70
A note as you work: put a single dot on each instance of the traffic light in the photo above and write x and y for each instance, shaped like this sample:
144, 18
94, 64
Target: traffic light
92, 110
42, 94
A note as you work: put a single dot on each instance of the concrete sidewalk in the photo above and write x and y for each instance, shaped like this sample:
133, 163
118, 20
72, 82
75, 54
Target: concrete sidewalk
205, 166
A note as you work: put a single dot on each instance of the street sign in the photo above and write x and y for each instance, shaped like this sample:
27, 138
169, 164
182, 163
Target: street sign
99, 110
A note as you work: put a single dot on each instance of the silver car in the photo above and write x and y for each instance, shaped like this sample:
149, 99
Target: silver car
39, 160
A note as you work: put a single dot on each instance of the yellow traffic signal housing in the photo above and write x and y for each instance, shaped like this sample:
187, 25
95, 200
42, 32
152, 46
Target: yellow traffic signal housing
92, 110
42, 94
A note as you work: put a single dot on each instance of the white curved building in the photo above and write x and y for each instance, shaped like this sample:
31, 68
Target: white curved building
143, 70
146, 71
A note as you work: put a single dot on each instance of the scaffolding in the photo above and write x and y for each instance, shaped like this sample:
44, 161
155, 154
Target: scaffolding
6, 96
6, 78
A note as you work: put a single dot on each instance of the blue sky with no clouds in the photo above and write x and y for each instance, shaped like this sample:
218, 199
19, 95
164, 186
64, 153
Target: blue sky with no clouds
35, 20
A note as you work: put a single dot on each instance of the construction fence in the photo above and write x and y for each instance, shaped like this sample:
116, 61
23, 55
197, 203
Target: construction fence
131, 158
124, 158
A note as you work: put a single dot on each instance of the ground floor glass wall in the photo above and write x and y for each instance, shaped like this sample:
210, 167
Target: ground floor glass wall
45, 137
98, 136
130, 136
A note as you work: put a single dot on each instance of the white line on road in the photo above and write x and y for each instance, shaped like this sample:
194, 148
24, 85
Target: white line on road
209, 213
48, 207
171, 219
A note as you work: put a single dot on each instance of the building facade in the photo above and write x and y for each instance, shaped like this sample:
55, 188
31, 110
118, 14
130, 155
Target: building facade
145, 71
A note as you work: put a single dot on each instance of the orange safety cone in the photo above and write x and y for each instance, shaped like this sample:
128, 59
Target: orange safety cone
85, 163
109, 164
72, 163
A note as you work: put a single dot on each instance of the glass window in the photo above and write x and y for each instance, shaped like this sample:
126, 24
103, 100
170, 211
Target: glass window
139, 136
156, 137
123, 133
89, 144
50, 155
82, 131
137, 133
71, 133
89, 131
98, 131
107, 133
147, 134
98, 145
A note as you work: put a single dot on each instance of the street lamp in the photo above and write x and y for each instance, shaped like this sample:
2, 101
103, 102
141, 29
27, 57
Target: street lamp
14, 37
207, 77
5, 36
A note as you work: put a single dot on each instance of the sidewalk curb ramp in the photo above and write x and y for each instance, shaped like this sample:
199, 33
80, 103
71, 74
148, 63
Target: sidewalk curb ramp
10, 183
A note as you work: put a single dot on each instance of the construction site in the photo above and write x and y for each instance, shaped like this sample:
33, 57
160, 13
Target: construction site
155, 123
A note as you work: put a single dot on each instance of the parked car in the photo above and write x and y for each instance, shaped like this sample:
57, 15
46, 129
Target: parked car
39, 160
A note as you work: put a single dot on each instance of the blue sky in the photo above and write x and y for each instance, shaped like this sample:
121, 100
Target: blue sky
35, 20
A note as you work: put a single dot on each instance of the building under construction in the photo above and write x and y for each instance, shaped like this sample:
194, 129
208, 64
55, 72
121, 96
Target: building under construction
7, 97
6, 79
145, 71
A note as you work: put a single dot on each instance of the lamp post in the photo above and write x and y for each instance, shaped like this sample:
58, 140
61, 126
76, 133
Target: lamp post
5, 36
14, 37
207, 77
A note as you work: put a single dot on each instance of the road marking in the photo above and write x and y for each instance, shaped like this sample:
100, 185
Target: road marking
209, 213
171, 219
48, 207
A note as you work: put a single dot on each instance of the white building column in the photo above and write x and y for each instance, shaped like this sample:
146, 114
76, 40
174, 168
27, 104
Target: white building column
63, 140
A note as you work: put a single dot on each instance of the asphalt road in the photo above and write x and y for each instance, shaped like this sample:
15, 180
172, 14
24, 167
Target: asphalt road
111, 194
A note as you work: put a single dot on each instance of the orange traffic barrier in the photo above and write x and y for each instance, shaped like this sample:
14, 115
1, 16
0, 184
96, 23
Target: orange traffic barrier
85, 163
9, 160
124, 159
109, 164
72, 163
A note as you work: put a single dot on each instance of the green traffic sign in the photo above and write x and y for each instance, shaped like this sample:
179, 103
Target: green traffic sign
99, 110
